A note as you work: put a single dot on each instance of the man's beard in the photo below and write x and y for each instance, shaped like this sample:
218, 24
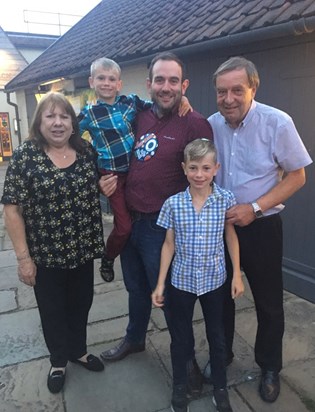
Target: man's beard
161, 110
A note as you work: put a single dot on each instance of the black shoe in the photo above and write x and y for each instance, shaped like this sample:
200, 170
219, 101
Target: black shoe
269, 387
194, 379
123, 349
207, 376
92, 363
56, 380
179, 399
107, 269
221, 400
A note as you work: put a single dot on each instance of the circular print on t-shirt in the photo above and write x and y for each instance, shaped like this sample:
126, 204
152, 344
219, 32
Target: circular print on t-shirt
146, 147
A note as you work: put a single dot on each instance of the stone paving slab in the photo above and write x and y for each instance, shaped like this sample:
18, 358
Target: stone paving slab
108, 331
288, 400
26, 297
101, 287
301, 376
9, 277
25, 389
299, 337
21, 337
123, 387
109, 305
7, 258
7, 301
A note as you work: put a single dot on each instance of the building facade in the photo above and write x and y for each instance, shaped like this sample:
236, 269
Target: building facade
278, 37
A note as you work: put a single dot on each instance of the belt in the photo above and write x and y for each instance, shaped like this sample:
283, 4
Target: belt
143, 216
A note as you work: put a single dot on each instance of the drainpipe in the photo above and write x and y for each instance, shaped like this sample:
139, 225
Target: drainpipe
17, 116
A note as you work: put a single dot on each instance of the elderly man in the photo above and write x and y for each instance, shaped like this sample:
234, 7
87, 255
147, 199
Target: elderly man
262, 162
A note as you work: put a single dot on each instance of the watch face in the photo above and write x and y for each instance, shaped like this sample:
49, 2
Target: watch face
257, 210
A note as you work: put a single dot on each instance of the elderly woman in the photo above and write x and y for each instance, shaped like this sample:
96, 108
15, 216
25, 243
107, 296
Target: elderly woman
53, 217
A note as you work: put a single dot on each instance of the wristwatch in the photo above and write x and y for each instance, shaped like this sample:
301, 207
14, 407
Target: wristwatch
257, 210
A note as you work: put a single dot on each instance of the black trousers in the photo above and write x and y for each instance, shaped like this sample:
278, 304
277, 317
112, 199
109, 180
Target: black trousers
64, 298
181, 306
261, 249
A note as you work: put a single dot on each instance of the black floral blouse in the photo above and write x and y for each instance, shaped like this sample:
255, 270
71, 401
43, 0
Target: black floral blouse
60, 207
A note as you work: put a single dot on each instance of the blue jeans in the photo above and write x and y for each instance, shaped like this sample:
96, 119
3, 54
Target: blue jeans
181, 310
140, 261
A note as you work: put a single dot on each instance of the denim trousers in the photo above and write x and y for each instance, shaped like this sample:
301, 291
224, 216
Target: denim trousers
261, 245
140, 261
64, 298
181, 310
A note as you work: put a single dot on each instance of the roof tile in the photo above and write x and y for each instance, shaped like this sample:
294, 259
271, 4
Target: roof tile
130, 29
294, 10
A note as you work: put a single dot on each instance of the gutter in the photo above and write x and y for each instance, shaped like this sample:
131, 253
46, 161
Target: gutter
17, 116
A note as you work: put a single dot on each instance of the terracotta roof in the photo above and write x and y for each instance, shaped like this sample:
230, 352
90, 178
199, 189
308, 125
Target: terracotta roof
128, 30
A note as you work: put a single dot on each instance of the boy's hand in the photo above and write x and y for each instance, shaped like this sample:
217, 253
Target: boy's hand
237, 286
158, 297
184, 107
108, 184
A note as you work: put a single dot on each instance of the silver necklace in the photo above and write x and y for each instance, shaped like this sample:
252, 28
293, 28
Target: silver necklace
63, 155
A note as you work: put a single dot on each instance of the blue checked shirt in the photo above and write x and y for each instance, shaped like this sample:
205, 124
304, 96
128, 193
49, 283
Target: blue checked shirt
111, 129
199, 265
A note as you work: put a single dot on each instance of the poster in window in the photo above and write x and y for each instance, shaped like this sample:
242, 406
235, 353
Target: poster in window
5, 136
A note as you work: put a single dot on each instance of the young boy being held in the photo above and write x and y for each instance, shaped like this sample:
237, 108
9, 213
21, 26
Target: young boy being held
110, 124
195, 223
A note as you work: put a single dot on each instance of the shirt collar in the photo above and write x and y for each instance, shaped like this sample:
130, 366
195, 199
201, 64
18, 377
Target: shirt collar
118, 97
250, 113
211, 198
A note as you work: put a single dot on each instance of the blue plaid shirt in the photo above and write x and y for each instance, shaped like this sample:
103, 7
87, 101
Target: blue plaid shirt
199, 265
111, 129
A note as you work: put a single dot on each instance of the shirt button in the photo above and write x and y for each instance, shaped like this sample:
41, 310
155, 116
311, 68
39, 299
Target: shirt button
230, 174
232, 154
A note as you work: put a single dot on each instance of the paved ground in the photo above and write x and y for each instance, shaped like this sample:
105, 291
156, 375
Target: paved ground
141, 382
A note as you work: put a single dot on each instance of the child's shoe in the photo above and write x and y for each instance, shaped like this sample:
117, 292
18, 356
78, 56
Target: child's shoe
107, 269
221, 400
179, 399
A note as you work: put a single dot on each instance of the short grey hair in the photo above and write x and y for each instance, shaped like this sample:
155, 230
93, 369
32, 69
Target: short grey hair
237, 63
